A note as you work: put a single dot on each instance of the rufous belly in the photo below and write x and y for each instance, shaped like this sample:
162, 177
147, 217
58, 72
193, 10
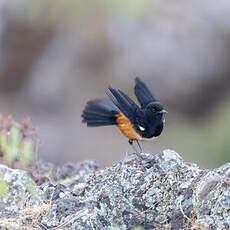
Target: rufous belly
126, 127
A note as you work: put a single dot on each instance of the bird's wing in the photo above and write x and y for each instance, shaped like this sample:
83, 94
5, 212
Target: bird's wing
143, 94
123, 102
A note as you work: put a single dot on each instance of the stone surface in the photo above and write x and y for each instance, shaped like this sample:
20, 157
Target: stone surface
153, 191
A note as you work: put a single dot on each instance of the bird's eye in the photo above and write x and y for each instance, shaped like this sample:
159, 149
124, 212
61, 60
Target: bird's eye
141, 128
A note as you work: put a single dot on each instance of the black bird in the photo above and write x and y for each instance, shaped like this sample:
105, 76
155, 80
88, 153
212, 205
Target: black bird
134, 122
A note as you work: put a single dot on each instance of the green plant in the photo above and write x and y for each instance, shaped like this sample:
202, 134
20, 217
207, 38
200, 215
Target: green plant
17, 145
139, 228
4, 187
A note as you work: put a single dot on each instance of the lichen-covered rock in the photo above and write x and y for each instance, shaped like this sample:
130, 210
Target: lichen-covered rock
69, 173
18, 194
23, 202
153, 191
211, 199
20, 187
144, 190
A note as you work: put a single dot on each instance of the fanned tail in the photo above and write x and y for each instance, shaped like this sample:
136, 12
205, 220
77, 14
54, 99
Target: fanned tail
100, 112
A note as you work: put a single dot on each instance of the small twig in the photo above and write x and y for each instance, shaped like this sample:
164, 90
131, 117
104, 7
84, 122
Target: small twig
151, 207
64, 224
141, 215
181, 209
42, 226
37, 144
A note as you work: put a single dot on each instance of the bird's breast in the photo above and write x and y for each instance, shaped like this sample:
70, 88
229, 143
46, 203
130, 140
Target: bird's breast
126, 127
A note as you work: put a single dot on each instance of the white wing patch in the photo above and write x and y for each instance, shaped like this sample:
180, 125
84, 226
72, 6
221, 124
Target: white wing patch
141, 128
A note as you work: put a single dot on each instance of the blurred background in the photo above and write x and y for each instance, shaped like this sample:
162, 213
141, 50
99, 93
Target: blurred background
56, 55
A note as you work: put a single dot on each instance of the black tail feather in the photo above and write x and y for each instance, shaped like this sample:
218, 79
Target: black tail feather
100, 112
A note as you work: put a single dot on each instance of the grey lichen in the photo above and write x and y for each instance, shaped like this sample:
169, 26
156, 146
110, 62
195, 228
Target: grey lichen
20, 187
152, 191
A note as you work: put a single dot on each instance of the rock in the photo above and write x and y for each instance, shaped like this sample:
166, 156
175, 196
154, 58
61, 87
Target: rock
20, 186
25, 202
69, 173
20, 194
153, 191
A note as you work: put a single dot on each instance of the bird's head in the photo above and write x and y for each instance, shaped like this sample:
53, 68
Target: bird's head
156, 111
155, 108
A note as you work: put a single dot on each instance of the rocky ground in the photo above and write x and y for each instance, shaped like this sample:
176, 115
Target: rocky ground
152, 191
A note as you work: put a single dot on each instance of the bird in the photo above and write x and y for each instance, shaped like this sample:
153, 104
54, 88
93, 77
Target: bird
136, 122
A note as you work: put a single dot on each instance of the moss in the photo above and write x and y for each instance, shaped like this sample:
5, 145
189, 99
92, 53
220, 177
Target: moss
4, 187
32, 188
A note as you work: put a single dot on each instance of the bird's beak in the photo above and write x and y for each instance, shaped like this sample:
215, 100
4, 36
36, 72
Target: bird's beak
164, 111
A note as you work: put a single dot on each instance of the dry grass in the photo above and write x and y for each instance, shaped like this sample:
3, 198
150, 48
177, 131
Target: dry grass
28, 218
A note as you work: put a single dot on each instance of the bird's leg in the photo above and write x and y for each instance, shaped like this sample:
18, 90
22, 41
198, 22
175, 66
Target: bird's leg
139, 145
131, 143
138, 154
